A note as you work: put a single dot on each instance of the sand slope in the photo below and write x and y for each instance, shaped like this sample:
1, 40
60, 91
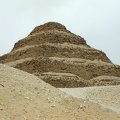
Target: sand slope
25, 97
107, 96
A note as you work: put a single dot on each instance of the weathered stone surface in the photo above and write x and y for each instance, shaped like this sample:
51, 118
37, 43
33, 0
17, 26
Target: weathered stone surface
52, 48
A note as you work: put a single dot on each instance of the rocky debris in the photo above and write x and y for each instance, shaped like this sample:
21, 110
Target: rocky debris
52, 48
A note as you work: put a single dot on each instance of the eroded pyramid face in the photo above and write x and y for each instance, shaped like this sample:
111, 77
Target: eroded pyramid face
49, 26
61, 58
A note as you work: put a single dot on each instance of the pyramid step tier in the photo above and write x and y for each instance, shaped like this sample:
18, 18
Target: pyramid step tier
85, 69
56, 50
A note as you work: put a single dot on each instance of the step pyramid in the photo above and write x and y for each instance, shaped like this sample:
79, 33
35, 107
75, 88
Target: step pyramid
62, 58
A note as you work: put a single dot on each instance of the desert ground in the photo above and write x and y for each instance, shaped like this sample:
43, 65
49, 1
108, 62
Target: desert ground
107, 96
24, 96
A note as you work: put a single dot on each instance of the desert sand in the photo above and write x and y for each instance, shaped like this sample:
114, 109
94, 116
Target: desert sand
107, 96
24, 96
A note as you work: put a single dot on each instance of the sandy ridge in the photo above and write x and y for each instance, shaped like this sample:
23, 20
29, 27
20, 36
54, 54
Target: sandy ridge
107, 96
26, 97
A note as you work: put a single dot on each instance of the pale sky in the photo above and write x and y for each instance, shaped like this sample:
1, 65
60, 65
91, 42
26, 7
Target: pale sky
97, 21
